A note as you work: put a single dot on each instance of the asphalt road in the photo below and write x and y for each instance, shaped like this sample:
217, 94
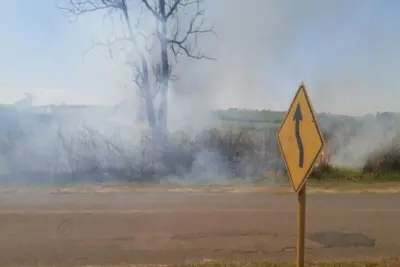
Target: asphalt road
107, 228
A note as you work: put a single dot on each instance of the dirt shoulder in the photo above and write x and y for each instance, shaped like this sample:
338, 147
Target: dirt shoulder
313, 187
212, 263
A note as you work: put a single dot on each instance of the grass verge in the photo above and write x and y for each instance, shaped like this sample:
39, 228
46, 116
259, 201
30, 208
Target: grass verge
328, 172
313, 187
328, 179
355, 263
366, 263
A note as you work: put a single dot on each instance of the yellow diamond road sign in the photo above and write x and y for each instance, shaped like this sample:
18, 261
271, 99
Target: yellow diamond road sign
300, 139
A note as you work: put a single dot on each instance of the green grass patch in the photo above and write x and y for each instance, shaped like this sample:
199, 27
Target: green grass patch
332, 173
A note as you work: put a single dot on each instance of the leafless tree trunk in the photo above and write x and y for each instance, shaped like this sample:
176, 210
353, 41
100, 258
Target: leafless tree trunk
153, 78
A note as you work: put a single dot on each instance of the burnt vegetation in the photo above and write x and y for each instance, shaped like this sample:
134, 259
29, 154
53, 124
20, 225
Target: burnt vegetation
50, 152
43, 147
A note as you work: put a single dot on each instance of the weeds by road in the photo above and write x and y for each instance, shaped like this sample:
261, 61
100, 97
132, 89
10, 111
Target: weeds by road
210, 263
323, 181
377, 263
313, 187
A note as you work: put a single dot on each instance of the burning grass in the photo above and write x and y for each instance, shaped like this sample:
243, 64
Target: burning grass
384, 161
89, 156
381, 166
213, 156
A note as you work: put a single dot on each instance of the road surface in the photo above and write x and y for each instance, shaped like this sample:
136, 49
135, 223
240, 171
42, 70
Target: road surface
141, 228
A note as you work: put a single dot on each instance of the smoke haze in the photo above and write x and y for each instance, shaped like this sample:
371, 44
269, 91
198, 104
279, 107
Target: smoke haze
345, 51
342, 50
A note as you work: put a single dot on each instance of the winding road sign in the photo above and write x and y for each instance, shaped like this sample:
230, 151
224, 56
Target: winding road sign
300, 139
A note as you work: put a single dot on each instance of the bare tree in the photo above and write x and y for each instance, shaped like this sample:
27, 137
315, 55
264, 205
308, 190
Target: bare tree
177, 26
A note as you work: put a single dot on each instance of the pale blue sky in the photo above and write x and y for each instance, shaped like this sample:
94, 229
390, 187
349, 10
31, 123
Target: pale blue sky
33, 35
347, 52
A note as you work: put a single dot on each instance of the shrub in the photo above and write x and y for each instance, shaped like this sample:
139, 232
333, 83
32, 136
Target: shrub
326, 172
232, 152
384, 161
320, 171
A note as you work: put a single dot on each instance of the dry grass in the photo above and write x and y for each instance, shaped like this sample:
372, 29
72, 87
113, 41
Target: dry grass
377, 263
211, 263
313, 187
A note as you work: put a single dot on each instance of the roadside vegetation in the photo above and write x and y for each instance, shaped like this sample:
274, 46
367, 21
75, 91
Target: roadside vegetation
366, 263
381, 166
234, 150
361, 263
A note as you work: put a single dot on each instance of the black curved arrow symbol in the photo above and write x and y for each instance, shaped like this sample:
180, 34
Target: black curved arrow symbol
297, 118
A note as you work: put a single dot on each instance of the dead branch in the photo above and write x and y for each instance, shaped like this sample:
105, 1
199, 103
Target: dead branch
173, 8
153, 10
68, 147
186, 42
78, 7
